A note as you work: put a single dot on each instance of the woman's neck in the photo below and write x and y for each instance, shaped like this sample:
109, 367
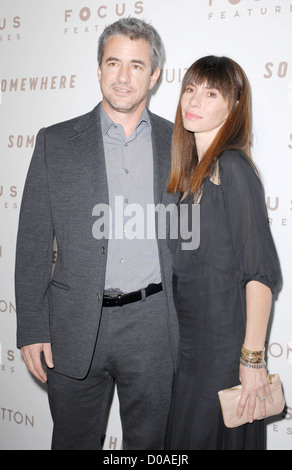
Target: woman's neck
204, 140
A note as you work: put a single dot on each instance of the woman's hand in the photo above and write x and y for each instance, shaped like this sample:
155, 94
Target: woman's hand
255, 386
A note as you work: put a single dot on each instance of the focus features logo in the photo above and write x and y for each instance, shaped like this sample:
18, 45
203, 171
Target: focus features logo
87, 19
235, 9
276, 208
7, 358
9, 29
8, 196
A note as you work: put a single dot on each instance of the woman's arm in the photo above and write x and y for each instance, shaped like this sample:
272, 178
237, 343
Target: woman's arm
255, 382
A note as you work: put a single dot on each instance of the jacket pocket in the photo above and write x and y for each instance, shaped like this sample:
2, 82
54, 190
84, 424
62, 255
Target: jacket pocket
60, 285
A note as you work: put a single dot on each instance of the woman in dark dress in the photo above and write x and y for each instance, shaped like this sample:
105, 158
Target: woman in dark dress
223, 288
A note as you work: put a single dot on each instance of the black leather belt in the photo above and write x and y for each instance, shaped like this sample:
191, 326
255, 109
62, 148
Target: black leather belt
119, 300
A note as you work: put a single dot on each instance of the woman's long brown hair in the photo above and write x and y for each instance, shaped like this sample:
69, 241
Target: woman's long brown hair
222, 73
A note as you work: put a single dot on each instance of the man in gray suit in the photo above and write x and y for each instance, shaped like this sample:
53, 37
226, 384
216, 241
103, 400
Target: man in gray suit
106, 314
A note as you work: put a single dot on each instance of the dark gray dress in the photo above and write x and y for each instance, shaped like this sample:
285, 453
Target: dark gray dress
236, 247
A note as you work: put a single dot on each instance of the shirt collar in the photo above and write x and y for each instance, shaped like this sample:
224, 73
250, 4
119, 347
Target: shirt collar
107, 123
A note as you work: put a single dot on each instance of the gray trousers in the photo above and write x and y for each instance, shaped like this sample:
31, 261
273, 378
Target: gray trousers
132, 351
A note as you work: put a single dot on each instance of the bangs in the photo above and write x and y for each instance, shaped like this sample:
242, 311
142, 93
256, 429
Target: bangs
216, 72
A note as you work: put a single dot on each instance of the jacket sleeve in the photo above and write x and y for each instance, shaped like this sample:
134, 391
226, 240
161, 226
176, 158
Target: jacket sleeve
34, 252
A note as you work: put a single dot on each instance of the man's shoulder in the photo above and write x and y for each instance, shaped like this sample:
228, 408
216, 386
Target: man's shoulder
159, 122
78, 123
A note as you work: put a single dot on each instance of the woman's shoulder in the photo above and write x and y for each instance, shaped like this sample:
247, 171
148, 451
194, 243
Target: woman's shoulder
234, 157
235, 167
235, 161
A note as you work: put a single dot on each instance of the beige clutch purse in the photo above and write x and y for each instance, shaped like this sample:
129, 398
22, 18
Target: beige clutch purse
229, 399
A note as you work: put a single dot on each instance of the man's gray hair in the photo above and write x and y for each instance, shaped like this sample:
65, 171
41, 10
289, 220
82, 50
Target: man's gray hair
134, 28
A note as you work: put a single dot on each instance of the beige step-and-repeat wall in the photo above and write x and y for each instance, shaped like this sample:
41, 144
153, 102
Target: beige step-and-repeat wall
48, 74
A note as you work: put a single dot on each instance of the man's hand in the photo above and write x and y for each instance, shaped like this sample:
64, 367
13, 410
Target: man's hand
32, 358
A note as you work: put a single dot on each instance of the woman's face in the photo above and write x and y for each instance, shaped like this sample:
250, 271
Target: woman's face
204, 110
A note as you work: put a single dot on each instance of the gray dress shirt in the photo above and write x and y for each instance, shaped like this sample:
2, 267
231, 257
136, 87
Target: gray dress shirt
132, 259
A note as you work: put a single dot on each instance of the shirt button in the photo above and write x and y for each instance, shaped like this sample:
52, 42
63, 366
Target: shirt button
98, 296
121, 260
103, 250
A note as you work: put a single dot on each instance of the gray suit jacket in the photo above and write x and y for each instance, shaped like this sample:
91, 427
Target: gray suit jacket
66, 179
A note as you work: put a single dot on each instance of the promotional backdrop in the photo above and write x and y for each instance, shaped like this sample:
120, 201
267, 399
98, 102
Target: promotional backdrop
48, 73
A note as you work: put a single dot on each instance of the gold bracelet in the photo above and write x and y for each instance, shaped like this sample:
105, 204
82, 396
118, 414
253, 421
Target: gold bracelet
246, 352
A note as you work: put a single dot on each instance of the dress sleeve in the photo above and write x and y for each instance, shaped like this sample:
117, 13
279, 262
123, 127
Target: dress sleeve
253, 246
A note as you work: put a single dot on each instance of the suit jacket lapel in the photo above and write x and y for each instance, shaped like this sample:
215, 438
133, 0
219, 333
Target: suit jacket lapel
88, 144
161, 159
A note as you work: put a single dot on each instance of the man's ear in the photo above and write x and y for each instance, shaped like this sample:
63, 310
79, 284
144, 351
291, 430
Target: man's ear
99, 73
154, 77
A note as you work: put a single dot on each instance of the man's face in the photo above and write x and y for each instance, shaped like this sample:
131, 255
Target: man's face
125, 75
